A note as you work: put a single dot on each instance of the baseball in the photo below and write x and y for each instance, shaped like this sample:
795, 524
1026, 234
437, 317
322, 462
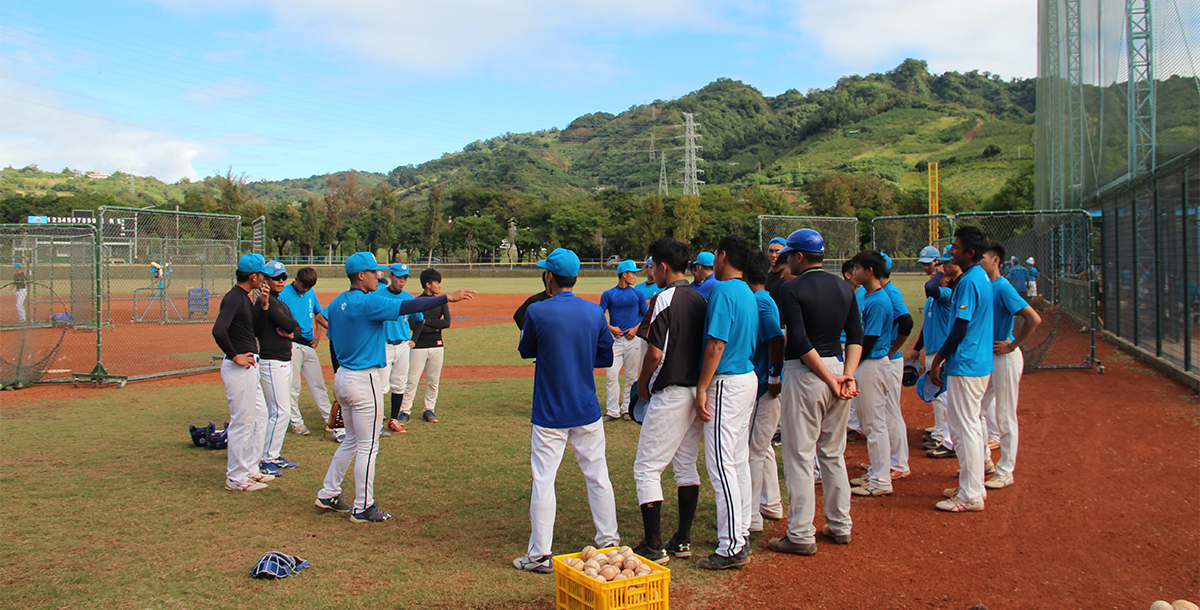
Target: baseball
612, 554
631, 564
590, 571
1160, 605
588, 553
600, 560
625, 550
593, 564
1183, 604
628, 573
599, 578
608, 572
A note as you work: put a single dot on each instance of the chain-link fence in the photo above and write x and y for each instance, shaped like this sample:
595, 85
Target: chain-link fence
841, 234
48, 308
902, 237
1150, 240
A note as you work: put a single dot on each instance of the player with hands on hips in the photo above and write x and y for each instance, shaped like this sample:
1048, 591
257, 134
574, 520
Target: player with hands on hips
275, 368
356, 318
625, 307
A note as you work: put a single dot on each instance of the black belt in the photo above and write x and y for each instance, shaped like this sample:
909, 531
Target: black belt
398, 342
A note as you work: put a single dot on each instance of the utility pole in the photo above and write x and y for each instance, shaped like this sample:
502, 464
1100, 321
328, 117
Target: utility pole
691, 181
662, 175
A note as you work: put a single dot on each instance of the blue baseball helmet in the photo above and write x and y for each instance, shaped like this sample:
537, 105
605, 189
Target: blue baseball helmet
912, 372
217, 439
274, 564
637, 406
804, 240
199, 435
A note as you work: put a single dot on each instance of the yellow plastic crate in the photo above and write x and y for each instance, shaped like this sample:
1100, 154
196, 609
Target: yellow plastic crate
576, 591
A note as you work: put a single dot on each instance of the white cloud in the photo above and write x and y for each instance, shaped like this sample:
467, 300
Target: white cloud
999, 36
39, 128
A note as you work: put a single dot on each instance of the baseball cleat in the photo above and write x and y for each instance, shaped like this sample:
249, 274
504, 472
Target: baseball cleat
785, 545
993, 444
931, 444
989, 467
337, 504
999, 481
404, 419
247, 486
941, 452
538, 565
395, 426
656, 555
282, 462
429, 416
958, 505
681, 550
838, 538
721, 562
777, 439
607, 418
338, 436
870, 490
383, 432
896, 474
771, 514
269, 468
372, 514
300, 429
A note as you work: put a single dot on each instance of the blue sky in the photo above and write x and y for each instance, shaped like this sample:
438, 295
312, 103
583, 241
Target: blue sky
291, 88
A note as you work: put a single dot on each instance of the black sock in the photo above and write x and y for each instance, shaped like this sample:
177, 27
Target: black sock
689, 497
652, 522
397, 400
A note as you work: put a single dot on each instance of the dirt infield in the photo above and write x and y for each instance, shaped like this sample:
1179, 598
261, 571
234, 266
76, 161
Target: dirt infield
1104, 512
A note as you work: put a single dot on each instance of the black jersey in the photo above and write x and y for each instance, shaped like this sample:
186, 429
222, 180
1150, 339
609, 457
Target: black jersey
239, 321
675, 325
815, 308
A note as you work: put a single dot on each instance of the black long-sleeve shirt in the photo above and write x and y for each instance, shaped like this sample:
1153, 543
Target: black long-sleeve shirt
816, 308
238, 322
435, 320
273, 346
519, 315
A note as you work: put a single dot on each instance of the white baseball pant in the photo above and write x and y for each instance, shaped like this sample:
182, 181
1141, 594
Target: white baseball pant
873, 378
1002, 390
361, 395
940, 431
897, 430
275, 376
764, 470
426, 360
546, 446
964, 397
627, 353
247, 421
730, 399
991, 425
852, 420
814, 426
395, 375
670, 434
21, 292
306, 363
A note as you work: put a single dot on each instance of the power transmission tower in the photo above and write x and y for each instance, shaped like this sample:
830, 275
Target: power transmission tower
691, 182
662, 175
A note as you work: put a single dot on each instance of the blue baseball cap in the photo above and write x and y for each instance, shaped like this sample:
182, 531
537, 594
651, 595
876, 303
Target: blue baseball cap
362, 261
704, 259
945, 257
18, 265
887, 261
562, 262
926, 391
251, 263
274, 269
649, 262
398, 269
627, 265
928, 254
777, 240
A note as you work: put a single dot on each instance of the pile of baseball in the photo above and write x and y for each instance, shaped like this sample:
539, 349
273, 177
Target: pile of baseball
1180, 604
617, 564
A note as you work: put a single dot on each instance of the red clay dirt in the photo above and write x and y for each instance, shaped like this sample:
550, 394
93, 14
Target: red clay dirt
1105, 512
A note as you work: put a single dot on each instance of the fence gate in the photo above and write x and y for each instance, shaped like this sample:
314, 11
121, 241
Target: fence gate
841, 234
902, 237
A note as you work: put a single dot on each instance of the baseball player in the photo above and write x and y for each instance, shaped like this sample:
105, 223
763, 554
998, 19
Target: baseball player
625, 307
649, 288
275, 369
874, 377
817, 310
399, 335
725, 396
19, 283
902, 328
519, 315
671, 430
238, 322
768, 366
1007, 361
702, 273
570, 339
780, 271
853, 426
428, 352
967, 354
306, 309
356, 320
933, 329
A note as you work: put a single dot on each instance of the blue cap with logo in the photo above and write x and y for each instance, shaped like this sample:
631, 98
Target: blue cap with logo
398, 269
777, 240
928, 254
562, 262
945, 257
649, 262
887, 261
251, 263
804, 240
274, 269
627, 265
704, 259
362, 261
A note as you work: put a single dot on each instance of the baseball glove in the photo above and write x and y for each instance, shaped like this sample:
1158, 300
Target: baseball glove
335, 416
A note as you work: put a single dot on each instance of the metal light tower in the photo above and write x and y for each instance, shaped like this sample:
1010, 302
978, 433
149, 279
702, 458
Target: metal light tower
1074, 102
1142, 99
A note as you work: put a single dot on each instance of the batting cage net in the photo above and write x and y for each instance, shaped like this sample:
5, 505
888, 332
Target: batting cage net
1049, 262
841, 234
902, 237
47, 302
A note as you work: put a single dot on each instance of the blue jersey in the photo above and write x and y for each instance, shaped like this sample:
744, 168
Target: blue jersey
1005, 305
972, 301
304, 308
570, 339
648, 290
899, 308
733, 318
705, 288
395, 331
625, 306
877, 322
769, 327
937, 320
357, 321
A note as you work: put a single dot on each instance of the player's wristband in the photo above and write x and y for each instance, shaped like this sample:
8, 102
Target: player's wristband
774, 379
774, 370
